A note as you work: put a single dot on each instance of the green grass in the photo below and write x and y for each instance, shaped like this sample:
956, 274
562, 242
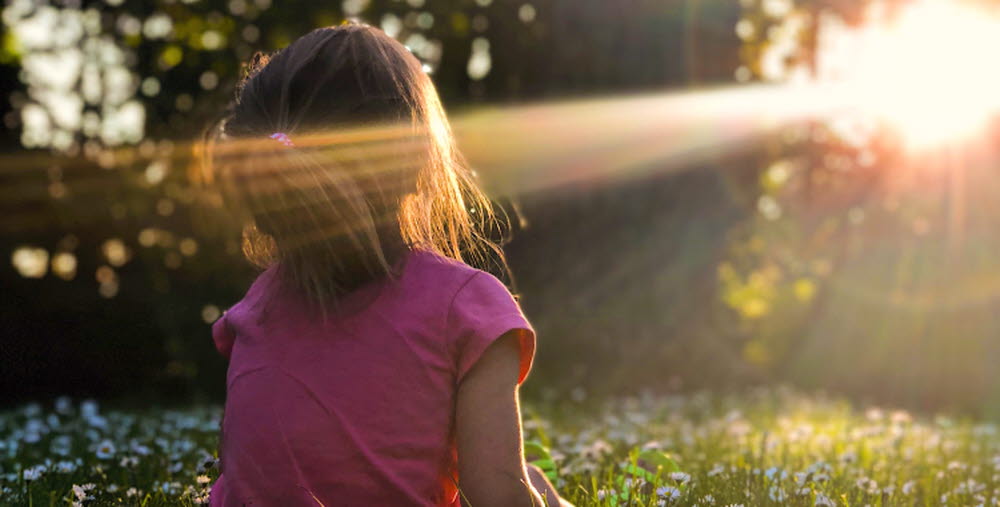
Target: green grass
760, 448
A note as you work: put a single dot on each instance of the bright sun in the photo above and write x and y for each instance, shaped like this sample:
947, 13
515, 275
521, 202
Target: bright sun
931, 71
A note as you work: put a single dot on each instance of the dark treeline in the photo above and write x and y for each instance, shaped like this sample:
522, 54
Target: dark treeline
610, 291
622, 279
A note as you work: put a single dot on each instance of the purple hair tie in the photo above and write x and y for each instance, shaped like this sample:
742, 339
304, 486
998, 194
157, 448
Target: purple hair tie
282, 138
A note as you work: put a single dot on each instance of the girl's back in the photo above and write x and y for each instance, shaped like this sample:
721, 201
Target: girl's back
361, 367
360, 410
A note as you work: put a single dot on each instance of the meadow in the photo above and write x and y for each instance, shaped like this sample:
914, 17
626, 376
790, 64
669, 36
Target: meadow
763, 447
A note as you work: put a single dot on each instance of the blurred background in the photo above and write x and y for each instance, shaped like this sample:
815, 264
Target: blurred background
708, 193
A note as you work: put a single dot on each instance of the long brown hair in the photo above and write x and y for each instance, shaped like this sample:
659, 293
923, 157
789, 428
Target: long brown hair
369, 171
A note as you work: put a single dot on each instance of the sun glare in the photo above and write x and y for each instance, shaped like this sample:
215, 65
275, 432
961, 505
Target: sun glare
930, 71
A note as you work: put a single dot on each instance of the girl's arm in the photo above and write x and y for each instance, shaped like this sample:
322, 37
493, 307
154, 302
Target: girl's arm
491, 468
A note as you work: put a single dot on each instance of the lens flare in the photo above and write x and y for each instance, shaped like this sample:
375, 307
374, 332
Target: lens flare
929, 71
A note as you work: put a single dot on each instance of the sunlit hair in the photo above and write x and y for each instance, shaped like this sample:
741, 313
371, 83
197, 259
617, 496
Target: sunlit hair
371, 169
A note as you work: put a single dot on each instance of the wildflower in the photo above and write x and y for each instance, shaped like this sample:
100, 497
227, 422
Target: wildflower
32, 410
80, 491
65, 467
130, 492
207, 463
819, 466
105, 449
111, 488
867, 485
129, 461
776, 494
88, 408
597, 449
708, 499
170, 488
97, 421
64, 405
775, 473
634, 482
716, 470
801, 478
34, 473
901, 417
139, 449
680, 477
908, 487
61, 445
968, 487
823, 501
668, 492
984, 430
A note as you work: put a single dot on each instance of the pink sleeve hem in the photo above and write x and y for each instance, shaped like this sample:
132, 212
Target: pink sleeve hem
223, 337
492, 331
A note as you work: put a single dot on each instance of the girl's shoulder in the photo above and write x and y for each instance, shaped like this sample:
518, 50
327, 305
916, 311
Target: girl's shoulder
458, 285
477, 309
261, 285
440, 264
433, 269
253, 297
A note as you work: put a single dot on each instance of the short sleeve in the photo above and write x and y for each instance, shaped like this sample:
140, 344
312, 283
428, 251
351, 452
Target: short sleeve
223, 336
482, 311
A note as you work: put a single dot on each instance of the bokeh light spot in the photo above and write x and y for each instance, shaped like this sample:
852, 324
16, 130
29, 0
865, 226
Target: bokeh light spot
30, 262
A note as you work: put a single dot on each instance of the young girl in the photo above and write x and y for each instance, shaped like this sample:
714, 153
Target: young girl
368, 364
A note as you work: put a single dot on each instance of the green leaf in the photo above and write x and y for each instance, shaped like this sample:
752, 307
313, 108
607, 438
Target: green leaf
659, 460
536, 451
10, 48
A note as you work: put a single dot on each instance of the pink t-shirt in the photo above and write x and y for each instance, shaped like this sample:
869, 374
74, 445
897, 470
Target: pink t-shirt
360, 411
